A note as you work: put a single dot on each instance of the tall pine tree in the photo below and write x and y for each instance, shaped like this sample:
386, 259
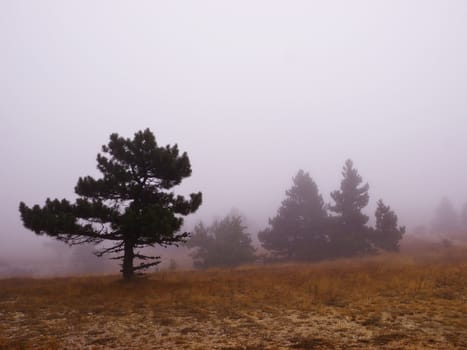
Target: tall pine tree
297, 232
350, 233
130, 206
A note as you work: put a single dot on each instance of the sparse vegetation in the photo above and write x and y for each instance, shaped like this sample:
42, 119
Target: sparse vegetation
384, 302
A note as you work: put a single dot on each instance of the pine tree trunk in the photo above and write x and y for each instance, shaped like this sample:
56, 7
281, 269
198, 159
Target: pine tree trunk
128, 256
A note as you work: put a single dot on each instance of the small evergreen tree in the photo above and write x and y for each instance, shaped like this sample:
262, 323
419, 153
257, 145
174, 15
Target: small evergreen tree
130, 206
387, 234
350, 233
351, 198
223, 244
297, 231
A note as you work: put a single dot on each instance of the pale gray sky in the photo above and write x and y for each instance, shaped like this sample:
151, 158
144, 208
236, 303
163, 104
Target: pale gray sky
252, 90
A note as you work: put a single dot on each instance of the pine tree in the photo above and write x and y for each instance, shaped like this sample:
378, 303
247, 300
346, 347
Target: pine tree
350, 233
297, 231
130, 206
387, 234
223, 244
351, 199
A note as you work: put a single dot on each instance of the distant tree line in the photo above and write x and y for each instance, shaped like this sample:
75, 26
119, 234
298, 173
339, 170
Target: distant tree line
305, 228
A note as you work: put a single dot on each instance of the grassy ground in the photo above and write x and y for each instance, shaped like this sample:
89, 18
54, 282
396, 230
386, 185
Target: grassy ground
385, 302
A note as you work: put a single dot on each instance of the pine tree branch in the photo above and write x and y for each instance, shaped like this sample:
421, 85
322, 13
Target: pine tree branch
147, 265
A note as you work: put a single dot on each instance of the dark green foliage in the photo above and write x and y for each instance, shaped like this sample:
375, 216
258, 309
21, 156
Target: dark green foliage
350, 235
130, 205
351, 198
303, 230
446, 220
223, 244
297, 232
387, 234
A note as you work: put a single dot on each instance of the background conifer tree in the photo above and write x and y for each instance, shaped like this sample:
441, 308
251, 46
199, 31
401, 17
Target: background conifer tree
297, 232
130, 206
350, 233
387, 233
225, 243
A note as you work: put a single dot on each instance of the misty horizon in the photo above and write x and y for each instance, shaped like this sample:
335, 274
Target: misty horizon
253, 92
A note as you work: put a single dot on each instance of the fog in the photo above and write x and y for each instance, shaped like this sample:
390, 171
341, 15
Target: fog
251, 90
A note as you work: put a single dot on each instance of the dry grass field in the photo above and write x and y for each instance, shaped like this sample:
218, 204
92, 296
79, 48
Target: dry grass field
384, 302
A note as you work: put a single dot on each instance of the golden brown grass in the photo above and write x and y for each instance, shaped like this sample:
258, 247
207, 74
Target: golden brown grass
385, 302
